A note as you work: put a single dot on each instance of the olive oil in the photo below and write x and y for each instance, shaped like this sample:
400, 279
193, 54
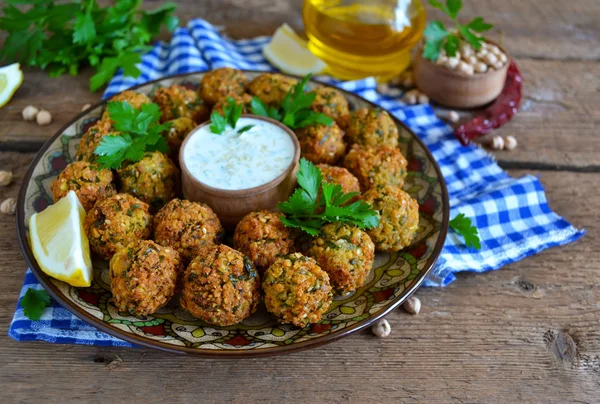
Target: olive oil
364, 38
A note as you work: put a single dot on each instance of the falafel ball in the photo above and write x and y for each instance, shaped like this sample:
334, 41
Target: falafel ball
154, 179
398, 218
376, 165
180, 102
346, 253
330, 102
221, 286
322, 143
92, 138
143, 277
116, 221
297, 290
263, 237
187, 227
221, 83
180, 128
136, 100
340, 176
371, 127
243, 99
271, 88
90, 182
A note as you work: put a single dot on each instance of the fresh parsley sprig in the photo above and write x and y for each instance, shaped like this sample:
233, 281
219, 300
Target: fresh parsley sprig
140, 131
317, 202
61, 37
462, 225
437, 37
295, 109
231, 114
34, 302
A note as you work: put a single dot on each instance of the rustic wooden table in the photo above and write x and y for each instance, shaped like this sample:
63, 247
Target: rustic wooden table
530, 332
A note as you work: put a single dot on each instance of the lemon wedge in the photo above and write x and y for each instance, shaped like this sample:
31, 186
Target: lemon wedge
11, 78
59, 243
288, 52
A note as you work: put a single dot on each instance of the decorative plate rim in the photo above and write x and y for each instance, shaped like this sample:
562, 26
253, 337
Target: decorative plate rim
221, 353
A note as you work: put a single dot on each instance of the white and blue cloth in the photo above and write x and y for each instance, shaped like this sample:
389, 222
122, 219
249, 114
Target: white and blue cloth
511, 214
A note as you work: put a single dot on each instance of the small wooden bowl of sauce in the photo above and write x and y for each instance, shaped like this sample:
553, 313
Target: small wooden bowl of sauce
237, 173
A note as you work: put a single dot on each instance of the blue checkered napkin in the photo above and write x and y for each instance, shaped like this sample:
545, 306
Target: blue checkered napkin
512, 214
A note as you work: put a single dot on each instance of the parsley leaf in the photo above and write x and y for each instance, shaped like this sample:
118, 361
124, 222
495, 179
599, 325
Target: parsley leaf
438, 38
462, 225
244, 129
140, 132
231, 114
317, 202
62, 37
218, 123
34, 302
295, 109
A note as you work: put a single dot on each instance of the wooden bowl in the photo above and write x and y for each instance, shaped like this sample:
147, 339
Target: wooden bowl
232, 205
458, 90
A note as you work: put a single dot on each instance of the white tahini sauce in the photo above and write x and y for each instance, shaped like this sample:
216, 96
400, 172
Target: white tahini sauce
237, 161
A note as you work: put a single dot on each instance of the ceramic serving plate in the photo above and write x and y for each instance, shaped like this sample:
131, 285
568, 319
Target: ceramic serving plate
392, 280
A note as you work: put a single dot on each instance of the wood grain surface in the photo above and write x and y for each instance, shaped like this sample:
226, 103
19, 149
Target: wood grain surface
527, 333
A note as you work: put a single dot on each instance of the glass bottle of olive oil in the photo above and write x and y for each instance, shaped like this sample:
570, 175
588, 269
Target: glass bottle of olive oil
361, 38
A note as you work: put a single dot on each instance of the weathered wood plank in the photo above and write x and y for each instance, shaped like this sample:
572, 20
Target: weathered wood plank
490, 338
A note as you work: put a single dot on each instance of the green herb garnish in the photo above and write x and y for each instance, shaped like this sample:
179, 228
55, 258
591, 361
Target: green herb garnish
34, 302
295, 109
437, 37
231, 114
61, 37
462, 225
140, 132
317, 202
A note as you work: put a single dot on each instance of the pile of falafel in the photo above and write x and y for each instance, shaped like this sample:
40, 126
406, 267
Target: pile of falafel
160, 245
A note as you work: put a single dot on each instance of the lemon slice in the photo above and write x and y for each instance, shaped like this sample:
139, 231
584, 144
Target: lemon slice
288, 52
59, 243
11, 78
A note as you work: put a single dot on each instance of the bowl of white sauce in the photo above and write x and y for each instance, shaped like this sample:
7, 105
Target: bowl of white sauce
240, 171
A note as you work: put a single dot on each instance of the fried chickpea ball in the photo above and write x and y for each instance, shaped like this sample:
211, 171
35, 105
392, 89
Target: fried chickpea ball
221, 286
330, 102
322, 143
346, 253
154, 179
398, 218
263, 237
180, 128
297, 290
187, 227
179, 102
371, 127
243, 99
88, 181
143, 277
115, 222
271, 88
376, 165
340, 176
92, 138
221, 83
136, 100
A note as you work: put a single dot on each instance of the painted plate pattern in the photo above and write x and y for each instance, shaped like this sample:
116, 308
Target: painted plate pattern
393, 277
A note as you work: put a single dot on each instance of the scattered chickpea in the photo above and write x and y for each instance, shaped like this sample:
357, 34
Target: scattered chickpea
29, 113
5, 178
422, 99
8, 206
382, 88
510, 143
43, 118
453, 116
86, 106
411, 97
381, 328
497, 143
412, 305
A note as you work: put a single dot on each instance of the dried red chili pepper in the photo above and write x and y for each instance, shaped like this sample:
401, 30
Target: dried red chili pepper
497, 114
